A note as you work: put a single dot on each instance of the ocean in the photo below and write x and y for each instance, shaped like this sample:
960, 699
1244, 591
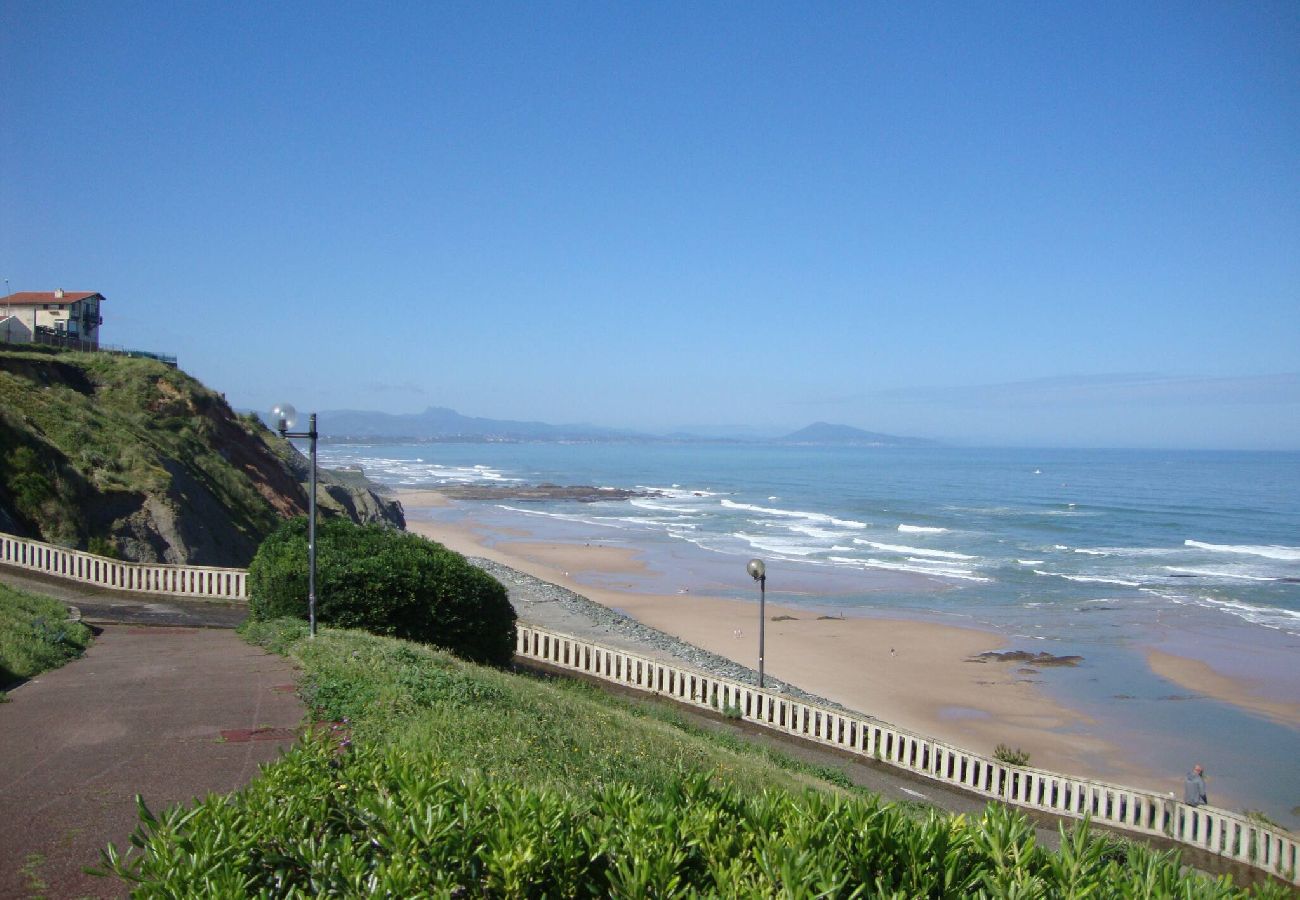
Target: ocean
1098, 553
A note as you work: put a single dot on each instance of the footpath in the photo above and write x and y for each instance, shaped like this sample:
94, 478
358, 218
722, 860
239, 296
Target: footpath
167, 711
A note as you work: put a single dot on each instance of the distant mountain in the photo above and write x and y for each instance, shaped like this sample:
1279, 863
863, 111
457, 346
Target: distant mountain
826, 433
438, 423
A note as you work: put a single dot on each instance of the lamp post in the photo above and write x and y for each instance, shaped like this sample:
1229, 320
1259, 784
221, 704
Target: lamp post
758, 572
285, 417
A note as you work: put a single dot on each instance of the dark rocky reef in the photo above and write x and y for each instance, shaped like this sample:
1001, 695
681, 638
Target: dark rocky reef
1024, 656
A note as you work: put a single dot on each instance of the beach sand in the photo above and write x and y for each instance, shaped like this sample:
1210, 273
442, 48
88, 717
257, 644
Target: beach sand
913, 674
1200, 677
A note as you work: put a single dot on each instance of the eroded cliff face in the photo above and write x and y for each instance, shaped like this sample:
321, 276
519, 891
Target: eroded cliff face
132, 458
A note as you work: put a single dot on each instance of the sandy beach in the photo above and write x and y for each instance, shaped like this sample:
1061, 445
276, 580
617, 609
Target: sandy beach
1197, 676
918, 675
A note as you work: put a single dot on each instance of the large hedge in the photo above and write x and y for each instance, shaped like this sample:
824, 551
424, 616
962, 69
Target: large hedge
385, 582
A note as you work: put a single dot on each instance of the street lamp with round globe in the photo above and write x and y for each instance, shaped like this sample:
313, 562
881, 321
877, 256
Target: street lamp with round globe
758, 572
283, 418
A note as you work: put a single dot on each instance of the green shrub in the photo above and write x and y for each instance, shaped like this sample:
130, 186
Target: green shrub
385, 582
1012, 757
384, 823
101, 546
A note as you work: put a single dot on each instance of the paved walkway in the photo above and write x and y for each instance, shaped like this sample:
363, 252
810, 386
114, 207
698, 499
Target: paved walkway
100, 605
142, 712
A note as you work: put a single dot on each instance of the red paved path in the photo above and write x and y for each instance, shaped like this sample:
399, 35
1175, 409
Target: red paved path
142, 712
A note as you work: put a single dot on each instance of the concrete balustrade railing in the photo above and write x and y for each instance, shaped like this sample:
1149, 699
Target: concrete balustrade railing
1206, 828
210, 582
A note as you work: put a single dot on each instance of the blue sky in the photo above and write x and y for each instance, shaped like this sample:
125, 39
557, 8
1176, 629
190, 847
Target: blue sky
1044, 223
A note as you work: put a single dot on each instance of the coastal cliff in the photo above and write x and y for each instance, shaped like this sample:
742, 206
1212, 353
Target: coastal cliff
132, 458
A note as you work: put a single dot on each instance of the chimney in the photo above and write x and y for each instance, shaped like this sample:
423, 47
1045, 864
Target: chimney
58, 293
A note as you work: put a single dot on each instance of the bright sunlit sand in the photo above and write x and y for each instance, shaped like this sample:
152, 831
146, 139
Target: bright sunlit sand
910, 673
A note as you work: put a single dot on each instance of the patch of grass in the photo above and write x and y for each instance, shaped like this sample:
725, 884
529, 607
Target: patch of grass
1011, 756
31, 873
274, 635
35, 635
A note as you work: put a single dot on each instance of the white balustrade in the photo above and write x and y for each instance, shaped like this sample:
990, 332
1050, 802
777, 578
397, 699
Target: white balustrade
1207, 828
209, 582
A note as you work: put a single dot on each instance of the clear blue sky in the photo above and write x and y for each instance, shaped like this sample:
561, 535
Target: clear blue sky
1051, 223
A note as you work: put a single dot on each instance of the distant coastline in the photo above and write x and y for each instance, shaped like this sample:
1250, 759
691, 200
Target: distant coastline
443, 425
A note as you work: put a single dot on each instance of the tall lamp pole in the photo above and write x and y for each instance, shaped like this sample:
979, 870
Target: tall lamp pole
285, 417
758, 572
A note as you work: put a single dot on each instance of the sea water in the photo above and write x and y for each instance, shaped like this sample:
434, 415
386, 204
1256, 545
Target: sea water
1096, 553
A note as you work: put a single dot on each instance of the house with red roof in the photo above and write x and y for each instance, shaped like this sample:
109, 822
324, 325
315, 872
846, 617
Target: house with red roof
64, 318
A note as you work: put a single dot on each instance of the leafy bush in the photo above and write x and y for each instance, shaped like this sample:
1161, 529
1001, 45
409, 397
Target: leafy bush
385, 582
382, 822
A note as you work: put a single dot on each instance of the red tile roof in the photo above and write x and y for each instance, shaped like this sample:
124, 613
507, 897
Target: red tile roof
30, 298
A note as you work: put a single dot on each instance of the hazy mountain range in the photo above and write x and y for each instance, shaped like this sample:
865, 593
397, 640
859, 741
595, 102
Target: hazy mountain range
442, 424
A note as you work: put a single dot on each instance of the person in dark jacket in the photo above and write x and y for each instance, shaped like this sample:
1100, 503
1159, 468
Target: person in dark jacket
1194, 787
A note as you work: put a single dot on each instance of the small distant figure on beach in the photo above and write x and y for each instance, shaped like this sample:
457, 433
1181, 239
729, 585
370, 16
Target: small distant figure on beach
1194, 787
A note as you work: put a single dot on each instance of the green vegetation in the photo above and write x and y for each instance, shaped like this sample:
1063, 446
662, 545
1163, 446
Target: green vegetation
86, 437
439, 778
35, 635
1010, 756
385, 582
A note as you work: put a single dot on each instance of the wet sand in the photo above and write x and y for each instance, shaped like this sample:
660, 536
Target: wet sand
1200, 677
917, 675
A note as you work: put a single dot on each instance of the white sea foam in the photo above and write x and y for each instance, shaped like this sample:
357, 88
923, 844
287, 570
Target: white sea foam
409, 472
677, 492
814, 532
915, 551
920, 529
601, 521
1269, 617
1030, 562
657, 505
1088, 579
1290, 554
1089, 552
793, 514
778, 545
961, 574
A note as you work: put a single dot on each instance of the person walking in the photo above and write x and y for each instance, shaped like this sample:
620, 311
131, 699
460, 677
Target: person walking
1194, 787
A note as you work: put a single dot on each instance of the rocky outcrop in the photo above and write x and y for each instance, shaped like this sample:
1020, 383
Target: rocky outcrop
132, 458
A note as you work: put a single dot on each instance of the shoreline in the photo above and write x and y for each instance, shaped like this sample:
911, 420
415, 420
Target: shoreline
1202, 678
918, 675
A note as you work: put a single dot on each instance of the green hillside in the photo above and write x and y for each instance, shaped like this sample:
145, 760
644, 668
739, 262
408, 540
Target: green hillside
133, 458
432, 777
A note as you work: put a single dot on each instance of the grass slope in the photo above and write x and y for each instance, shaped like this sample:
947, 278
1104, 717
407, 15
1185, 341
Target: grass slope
438, 778
86, 438
35, 635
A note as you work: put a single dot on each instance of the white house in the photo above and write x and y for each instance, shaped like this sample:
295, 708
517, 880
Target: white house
58, 317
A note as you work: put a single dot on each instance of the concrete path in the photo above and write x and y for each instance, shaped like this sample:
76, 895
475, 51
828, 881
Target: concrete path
99, 605
142, 712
